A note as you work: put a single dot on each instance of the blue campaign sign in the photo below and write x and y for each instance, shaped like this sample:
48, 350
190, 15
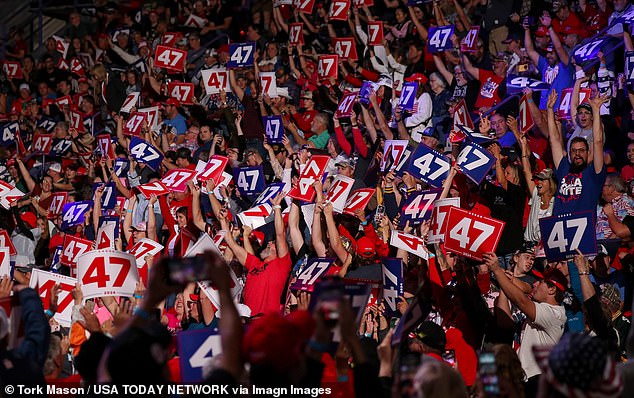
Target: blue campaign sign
9, 130
515, 84
74, 213
564, 233
273, 128
311, 272
121, 167
392, 282
241, 55
364, 92
408, 96
587, 51
109, 196
411, 3
419, 206
358, 295
629, 67
195, 347
627, 17
475, 162
144, 152
250, 180
46, 123
429, 165
269, 193
60, 147
438, 39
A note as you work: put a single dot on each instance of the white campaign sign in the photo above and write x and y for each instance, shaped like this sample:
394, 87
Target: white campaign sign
257, 216
410, 243
438, 219
339, 191
216, 80
203, 244
107, 273
44, 281
145, 247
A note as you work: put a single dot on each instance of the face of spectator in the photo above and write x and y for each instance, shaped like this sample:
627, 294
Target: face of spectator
47, 184
400, 16
269, 251
608, 192
179, 304
131, 77
346, 171
571, 40
318, 126
511, 175
562, 13
552, 58
523, 262
13, 171
232, 154
543, 187
170, 111
49, 64
42, 89
542, 42
122, 40
181, 220
513, 46
435, 84
74, 19
251, 158
63, 87
27, 64
540, 291
205, 133
619, 5
252, 34
579, 154
50, 45
24, 93
271, 50
499, 125
630, 153
413, 54
430, 141
584, 118
70, 174
194, 43
499, 67
77, 44
182, 162
459, 75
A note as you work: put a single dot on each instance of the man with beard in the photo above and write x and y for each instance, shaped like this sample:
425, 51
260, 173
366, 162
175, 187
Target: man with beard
580, 183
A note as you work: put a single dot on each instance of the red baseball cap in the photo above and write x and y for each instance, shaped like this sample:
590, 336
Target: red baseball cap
417, 77
365, 247
542, 31
223, 49
172, 101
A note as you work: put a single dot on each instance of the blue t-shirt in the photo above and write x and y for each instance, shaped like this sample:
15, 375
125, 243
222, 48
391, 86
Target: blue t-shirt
507, 140
559, 77
577, 191
178, 123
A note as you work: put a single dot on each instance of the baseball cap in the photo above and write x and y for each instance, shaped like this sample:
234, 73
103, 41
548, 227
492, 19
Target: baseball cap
550, 49
307, 95
585, 106
570, 30
223, 49
211, 52
275, 341
526, 247
431, 335
553, 276
417, 77
257, 236
55, 167
545, 174
349, 162
182, 42
365, 247
25, 86
542, 31
142, 226
431, 132
172, 101
283, 92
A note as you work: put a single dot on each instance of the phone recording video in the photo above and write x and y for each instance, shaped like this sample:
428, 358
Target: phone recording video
488, 373
186, 270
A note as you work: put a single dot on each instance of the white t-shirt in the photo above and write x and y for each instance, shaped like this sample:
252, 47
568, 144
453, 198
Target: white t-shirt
545, 331
532, 232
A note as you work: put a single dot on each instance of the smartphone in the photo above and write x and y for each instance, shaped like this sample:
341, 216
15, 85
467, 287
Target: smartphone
328, 294
186, 270
449, 356
487, 370
523, 67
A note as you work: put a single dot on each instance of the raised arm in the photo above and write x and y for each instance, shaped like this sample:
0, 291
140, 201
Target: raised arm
469, 68
597, 131
280, 228
443, 69
333, 234
297, 239
234, 85
151, 219
30, 184
528, 43
127, 220
420, 28
514, 293
197, 214
554, 135
561, 51
238, 251
96, 210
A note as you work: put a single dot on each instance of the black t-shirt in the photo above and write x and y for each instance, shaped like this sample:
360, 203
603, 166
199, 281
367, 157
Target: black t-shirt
508, 206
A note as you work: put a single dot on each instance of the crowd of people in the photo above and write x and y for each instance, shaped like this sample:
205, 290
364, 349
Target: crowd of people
212, 145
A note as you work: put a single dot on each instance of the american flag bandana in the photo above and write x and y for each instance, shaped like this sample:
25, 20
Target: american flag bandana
579, 366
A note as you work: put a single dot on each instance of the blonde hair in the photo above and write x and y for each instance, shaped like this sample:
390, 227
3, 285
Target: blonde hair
437, 379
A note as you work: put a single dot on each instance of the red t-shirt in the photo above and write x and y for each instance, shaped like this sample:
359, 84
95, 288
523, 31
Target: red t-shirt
489, 84
265, 283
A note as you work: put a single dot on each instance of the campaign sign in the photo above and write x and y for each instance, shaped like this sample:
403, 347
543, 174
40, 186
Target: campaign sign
410, 243
358, 199
461, 116
312, 270
183, 92
107, 273
273, 128
296, 33
305, 6
438, 39
564, 233
429, 165
419, 206
408, 96
57, 204
121, 167
151, 115
213, 169
327, 66
105, 146
170, 58
365, 91
438, 224
216, 80
629, 67
144, 247
109, 196
61, 147
72, 247
344, 47
5, 262
470, 41
9, 131
176, 179
107, 232
130, 102
74, 213
134, 124
12, 69
339, 10
144, 152
475, 162
153, 188
587, 51
250, 180
470, 234
269, 193
375, 33
525, 119
241, 55
339, 192
517, 84
392, 282
393, 151
5, 241
203, 244
195, 348
566, 101
313, 171
42, 143
47, 124
268, 84
43, 282
345, 105
256, 216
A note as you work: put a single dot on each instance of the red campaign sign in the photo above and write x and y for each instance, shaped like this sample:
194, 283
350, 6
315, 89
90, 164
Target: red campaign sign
62, 64
345, 106
42, 142
296, 33
358, 199
72, 248
134, 124
12, 69
77, 121
213, 169
363, 3
327, 66
170, 38
313, 171
176, 179
5, 241
306, 6
471, 234
566, 100
183, 92
105, 146
64, 101
57, 204
375, 33
461, 116
77, 67
339, 10
345, 48
438, 224
144, 247
153, 188
525, 119
470, 42
170, 58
